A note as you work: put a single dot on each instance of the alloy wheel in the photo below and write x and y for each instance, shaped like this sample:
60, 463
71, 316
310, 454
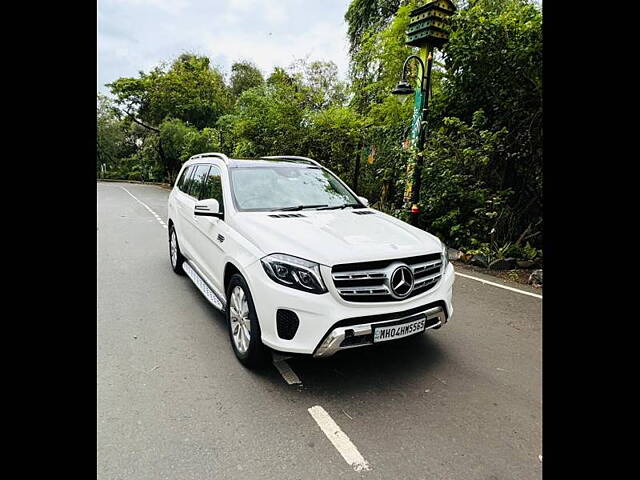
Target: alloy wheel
173, 248
240, 321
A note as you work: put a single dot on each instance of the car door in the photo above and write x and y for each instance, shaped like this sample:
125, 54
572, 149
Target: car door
186, 202
210, 232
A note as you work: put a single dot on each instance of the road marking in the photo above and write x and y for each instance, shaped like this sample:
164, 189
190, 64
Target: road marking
147, 207
524, 292
285, 370
339, 439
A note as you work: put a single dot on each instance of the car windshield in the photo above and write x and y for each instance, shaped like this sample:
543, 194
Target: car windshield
289, 188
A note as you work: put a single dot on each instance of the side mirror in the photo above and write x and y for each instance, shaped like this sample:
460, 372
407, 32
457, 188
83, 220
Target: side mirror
364, 201
207, 208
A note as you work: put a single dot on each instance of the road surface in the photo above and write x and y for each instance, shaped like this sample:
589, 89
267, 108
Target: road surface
462, 402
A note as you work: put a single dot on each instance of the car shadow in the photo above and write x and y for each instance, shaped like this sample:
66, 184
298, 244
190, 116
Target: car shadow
371, 369
363, 369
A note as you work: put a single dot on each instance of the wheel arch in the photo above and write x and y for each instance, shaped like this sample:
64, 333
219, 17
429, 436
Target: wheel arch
230, 269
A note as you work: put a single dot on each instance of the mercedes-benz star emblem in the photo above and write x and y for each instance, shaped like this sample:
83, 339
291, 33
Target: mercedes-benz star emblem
401, 281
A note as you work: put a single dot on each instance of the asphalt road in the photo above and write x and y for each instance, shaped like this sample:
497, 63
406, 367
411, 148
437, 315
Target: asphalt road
462, 402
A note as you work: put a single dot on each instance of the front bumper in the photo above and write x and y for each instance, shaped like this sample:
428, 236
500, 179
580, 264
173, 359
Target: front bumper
326, 320
359, 335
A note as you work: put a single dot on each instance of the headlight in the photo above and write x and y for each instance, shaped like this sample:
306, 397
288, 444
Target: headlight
294, 272
445, 258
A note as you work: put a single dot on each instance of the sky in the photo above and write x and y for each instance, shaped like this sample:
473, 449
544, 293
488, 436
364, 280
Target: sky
136, 35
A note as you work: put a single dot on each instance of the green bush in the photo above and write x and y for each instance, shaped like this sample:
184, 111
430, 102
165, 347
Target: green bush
460, 204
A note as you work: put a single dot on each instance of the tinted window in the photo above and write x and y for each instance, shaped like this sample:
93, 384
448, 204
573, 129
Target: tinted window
213, 187
185, 173
197, 181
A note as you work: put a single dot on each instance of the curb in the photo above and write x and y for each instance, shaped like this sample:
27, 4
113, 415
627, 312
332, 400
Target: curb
163, 185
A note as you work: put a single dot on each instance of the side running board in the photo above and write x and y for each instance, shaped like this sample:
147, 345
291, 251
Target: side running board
203, 286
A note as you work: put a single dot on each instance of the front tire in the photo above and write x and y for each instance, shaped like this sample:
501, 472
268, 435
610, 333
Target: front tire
175, 256
244, 329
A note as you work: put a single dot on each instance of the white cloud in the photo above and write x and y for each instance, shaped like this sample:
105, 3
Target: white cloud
241, 5
136, 35
275, 13
321, 42
169, 6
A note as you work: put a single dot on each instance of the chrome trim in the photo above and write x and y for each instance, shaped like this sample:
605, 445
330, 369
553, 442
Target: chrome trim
331, 343
373, 290
421, 267
208, 290
421, 281
360, 275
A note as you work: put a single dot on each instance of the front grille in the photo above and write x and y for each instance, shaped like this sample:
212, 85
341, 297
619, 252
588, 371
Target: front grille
370, 281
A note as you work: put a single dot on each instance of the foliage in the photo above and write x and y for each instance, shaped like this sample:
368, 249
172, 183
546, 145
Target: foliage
318, 82
109, 134
181, 141
189, 90
459, 203
244, 75
494, 63
482, 176
333, 139
268, 119
366, 15
376, 66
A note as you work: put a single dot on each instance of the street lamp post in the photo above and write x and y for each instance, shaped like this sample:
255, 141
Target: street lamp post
427, 30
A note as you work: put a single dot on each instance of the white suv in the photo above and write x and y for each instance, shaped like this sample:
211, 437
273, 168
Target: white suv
298, 262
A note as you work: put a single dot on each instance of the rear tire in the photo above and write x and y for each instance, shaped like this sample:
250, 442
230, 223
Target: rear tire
244, 328
175, 257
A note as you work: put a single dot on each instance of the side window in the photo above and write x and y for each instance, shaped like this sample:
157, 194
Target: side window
197, 181
185, 174
213, 187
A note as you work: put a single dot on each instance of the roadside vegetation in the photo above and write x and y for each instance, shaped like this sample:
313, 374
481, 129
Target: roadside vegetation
482, 180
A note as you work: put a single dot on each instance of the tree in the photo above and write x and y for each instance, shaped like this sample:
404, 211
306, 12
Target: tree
110, 135
376, 65
189, 89
367, 16
334, 138
181, 141
268, 120
483, 157
494, 64
244, 75
319, 83
461, 203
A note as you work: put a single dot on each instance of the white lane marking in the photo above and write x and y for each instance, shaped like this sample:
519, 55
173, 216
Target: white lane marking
147, 207
287, 373
501, 286
339, 439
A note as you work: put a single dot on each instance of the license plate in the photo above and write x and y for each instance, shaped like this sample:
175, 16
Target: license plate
392, 332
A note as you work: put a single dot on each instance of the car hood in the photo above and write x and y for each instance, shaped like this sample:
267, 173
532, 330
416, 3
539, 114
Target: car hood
331, 237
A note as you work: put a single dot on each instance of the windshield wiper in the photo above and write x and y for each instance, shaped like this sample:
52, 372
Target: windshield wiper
353, 205
299, 207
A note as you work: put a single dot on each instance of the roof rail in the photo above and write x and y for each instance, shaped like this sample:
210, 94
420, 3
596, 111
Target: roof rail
292, 157
211, 154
